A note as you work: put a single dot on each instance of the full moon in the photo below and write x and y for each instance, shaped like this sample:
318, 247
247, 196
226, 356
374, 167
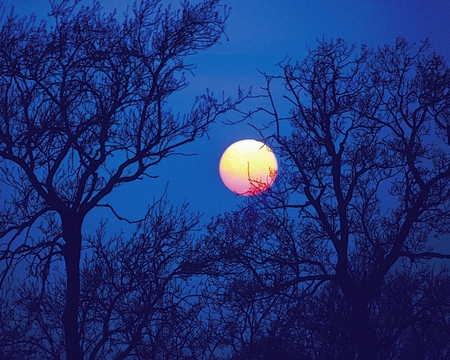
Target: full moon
248, 167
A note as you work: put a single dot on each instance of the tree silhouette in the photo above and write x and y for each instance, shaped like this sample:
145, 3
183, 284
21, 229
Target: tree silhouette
135, 299
83, 110
363, 188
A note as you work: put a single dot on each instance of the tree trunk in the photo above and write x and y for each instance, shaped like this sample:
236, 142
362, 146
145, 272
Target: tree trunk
72, 253
361, 329
363, 332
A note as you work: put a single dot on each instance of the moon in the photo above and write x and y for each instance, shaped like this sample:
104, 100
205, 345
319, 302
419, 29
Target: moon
248, 167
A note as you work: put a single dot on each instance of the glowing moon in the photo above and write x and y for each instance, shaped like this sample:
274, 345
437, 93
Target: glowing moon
248, 167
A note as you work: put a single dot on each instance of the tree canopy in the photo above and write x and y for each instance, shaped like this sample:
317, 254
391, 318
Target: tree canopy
318, 262
83, 110
335, 260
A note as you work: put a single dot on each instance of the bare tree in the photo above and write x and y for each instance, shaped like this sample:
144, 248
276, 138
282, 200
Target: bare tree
135, 299
370, 152
412, 313
256, 265
364, 184
83, 109
31, 320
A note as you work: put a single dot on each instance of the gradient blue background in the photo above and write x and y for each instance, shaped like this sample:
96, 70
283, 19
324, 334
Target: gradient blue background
260, 34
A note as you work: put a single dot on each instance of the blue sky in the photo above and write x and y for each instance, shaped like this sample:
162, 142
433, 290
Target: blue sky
260, 34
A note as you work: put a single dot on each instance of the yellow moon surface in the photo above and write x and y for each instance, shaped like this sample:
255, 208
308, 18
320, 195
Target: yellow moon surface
248, 167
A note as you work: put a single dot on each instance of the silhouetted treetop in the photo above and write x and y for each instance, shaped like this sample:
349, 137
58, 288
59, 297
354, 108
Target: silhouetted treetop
363, 190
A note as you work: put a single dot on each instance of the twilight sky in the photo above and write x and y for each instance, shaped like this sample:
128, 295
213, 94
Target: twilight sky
262, 33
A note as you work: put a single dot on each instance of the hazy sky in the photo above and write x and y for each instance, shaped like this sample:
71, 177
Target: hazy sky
260, 34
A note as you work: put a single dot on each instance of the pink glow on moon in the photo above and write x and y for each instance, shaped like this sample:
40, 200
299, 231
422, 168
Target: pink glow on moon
248, 167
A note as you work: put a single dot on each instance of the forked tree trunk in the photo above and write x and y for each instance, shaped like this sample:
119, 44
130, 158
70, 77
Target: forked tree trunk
72, 253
